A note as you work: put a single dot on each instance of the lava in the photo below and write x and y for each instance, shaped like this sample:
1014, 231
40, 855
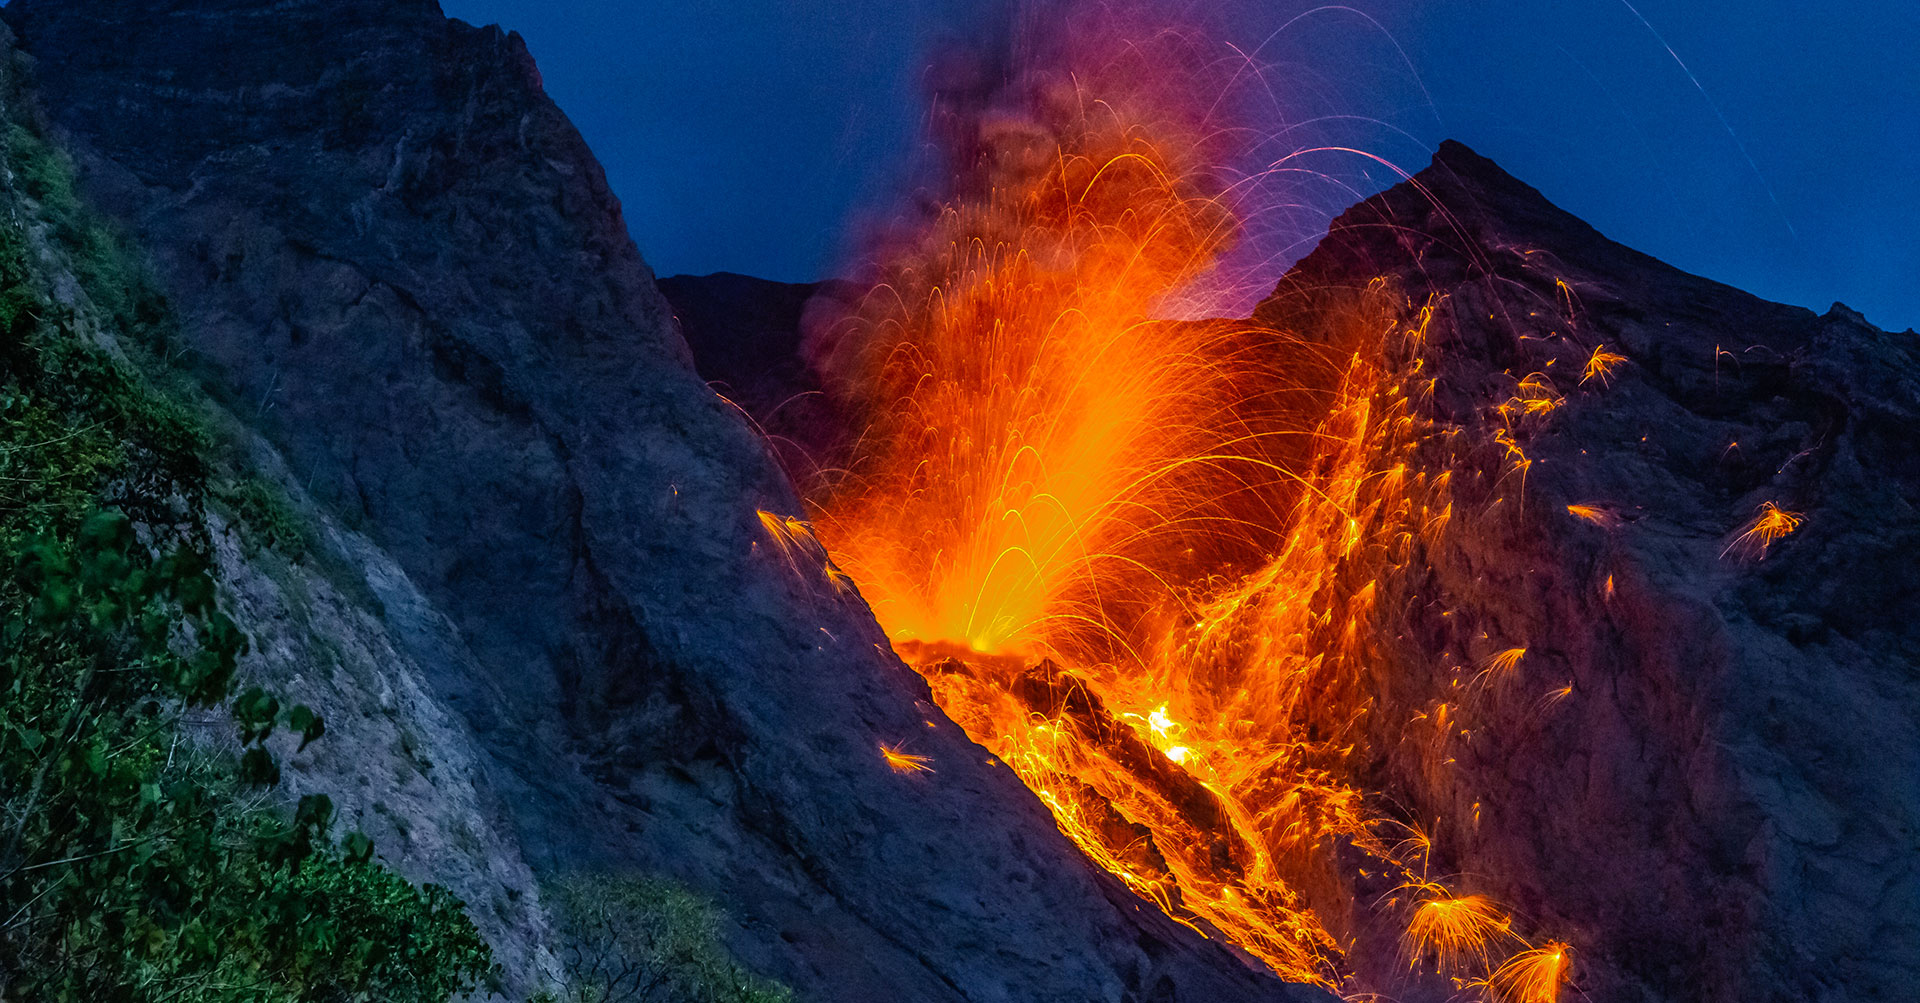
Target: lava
1456, 933
1138, 558
1770, 523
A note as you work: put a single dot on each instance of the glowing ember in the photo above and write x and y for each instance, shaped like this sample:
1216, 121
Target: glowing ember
1772, 523
905, 762
1600, 365
1500, 667
1594, 514
1533, 976
1534, 396
1137, 558
1456, 933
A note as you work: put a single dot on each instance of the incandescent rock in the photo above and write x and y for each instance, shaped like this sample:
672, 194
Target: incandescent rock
1704, 772
397, 260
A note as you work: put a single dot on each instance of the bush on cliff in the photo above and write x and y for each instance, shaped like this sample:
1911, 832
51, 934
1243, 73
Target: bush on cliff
136, 862
646, 940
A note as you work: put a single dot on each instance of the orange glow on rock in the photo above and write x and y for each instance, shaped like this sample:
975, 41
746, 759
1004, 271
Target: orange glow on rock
905, 762
1135, 558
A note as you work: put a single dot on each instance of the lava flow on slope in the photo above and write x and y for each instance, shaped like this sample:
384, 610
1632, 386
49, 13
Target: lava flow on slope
1136, 557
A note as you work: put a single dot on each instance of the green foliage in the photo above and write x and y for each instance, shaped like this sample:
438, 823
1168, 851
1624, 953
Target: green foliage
647, 940
265, 516
38, 170
112, 276
135, 864
125, 876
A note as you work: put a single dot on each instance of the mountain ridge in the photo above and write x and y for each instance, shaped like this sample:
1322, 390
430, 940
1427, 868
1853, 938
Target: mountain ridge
397, 264
394, 258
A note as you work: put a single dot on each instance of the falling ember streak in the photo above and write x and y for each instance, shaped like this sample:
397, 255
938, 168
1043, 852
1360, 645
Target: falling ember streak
1506, 660
795, 540
1137, 559
1456, 933
1498, 668
1534, 396
1595, 515
905, 762
1600, 365
1772, 523
1534, 976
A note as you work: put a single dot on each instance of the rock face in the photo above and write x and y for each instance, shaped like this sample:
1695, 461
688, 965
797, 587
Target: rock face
1704, 772
747, 344
395, 258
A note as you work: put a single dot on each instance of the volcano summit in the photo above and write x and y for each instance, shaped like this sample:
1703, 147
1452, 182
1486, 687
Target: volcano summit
1496, 611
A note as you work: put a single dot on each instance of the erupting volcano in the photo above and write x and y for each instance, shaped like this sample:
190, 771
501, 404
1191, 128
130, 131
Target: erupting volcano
1136, 557
1086, 599
1221, 592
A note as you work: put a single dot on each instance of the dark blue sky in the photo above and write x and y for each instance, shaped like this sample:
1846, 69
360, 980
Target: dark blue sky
1782, 157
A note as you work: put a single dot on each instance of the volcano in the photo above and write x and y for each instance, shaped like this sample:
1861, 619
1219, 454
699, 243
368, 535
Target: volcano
1614, 696
1596, 574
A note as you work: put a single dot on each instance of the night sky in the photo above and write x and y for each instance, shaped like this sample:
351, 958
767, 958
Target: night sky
1771, 144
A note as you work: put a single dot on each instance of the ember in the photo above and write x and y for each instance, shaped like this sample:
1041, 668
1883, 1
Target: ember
1136, 558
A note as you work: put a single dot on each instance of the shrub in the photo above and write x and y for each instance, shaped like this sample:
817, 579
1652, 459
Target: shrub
265, 516
129, 870
135, 866
647, 940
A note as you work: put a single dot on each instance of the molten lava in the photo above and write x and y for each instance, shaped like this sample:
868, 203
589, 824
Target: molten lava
1137, 558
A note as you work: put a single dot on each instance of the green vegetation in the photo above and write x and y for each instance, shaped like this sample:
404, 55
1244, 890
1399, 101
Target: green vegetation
138, 862
118, 286
264, 515
646, 940
144, 855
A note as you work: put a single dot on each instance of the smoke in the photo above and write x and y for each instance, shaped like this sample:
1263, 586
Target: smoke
1012, 91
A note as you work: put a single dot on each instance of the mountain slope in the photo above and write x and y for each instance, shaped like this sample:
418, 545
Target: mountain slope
1699, 768
1701, 772
394, 258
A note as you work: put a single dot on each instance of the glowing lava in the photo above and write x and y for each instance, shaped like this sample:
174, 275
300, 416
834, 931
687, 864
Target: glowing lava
1137, 558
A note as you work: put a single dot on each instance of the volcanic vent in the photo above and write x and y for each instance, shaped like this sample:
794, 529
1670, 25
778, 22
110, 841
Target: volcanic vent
1435, 629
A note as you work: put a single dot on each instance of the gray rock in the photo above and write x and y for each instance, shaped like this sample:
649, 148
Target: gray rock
1726, 806
395, 258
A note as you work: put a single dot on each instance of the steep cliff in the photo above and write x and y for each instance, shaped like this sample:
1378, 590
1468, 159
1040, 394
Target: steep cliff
577, 646
1684, 515
1701, 770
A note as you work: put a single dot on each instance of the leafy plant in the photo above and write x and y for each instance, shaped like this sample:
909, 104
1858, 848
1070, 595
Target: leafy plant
265, 516
114, 278
647, 940
126, 875
138, 863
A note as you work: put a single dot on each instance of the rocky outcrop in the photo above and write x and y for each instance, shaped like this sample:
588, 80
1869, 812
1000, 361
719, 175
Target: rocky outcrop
747, 343
1702, 771
395, 259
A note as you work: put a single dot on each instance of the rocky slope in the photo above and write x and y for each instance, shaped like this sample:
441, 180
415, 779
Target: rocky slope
568, 642
1702, 770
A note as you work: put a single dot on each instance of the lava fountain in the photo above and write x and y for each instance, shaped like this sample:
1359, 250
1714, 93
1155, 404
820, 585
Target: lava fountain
1136, 557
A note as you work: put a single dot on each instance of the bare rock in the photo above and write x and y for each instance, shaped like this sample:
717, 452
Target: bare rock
397, 260
1704, 772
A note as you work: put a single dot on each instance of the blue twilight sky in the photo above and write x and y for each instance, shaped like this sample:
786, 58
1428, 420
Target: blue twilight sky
1771, 144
